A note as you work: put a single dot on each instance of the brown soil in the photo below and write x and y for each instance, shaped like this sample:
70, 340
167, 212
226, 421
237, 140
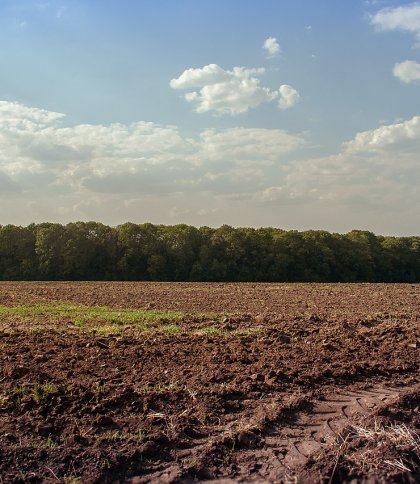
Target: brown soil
272, 394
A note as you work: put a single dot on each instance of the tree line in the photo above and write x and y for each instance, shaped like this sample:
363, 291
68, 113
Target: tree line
132, 252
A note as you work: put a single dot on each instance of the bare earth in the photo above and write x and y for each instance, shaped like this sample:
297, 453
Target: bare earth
263, 383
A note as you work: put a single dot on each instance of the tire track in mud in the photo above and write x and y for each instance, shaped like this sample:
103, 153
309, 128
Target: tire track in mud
290, 444
287, 444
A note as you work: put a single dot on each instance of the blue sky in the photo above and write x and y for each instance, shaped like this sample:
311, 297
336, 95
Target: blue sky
293, 114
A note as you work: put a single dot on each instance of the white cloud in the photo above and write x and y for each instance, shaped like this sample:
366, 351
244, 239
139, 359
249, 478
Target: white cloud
37, 150
407, 71
35, 146
368, 182
272, 46
93, 171
207, 75
386, 136
16, 116
229, 91
377, 185
248, 146
271, 194
405, 18
288, 96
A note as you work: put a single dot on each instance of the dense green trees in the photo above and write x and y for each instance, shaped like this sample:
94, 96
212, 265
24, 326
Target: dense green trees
93, 251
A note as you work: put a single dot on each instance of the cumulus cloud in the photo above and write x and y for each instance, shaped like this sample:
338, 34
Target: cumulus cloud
271, 46
207, 75
405, 18
15, 116
229, 91
407, 71
288, 96
38, 150
407, 133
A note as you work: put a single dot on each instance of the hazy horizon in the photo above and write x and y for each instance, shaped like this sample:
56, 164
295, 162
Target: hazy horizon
299, 115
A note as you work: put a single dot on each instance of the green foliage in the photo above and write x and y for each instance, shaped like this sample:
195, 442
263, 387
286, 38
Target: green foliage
93, 251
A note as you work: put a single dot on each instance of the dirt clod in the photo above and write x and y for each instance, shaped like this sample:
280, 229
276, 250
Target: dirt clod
246, 439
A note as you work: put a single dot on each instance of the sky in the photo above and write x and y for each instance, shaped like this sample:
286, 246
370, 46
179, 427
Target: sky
293, 114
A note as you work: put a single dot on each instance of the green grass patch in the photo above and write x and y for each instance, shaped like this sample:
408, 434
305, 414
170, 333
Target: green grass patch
106, 321
211, 331
38, 393
81, 315
248, 332
101, 320
171, 329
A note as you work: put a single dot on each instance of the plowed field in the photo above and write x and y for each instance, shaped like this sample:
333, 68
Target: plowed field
174, 382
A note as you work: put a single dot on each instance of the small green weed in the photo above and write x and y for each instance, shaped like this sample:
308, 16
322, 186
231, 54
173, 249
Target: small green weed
49, 443
37, 393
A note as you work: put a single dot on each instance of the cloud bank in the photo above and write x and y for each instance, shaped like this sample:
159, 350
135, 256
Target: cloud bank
121, 170
34, 145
